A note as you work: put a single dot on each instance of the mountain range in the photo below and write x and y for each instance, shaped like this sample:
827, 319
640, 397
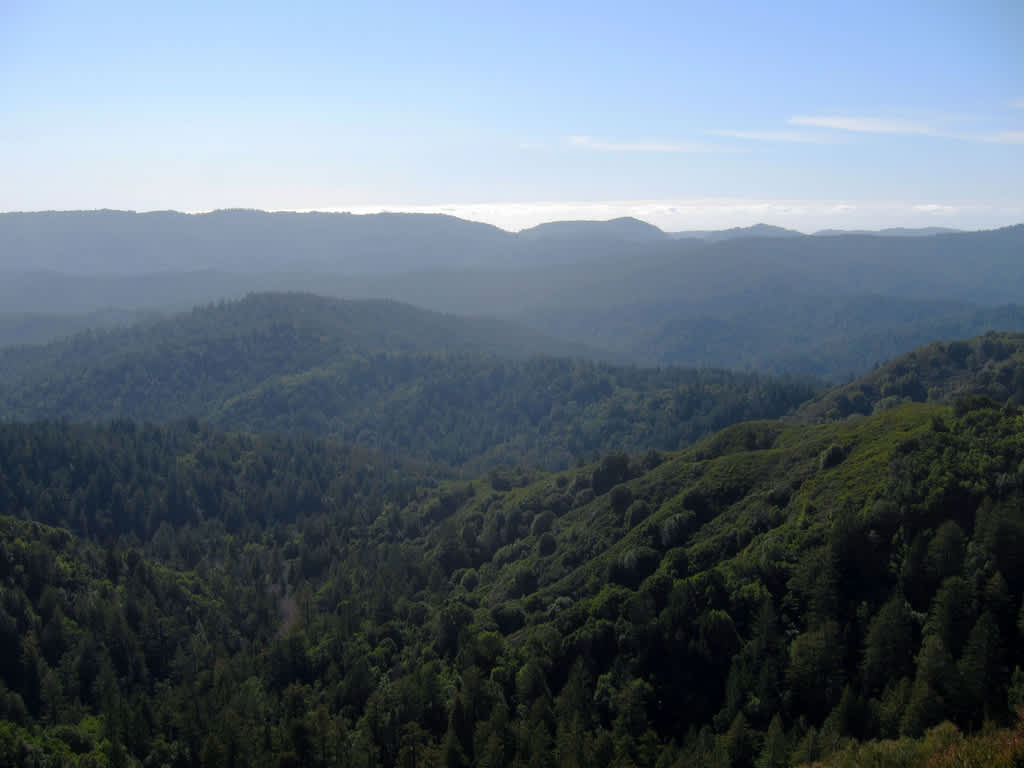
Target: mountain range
111, 242
758, 298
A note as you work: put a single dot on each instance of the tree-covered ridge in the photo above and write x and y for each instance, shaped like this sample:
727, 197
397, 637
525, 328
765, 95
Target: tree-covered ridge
477, 413
762, 598
396, 379
288, 331
990, 365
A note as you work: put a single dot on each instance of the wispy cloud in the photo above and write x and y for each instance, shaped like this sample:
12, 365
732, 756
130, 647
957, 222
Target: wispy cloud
1006, 137
830, 129
936, 209
892, 125
607, 145
1019, 103
799, 137
946, 128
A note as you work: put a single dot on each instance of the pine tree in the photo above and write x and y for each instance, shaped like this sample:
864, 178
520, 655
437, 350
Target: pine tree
775, 751
888, 652
935, 688
982, 671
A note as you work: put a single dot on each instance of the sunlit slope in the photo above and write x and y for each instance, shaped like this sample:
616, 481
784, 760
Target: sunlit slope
831, 582
991, 365
771, 593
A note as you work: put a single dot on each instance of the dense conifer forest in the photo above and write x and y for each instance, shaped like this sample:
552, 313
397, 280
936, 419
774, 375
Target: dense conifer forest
842, 587
469, 393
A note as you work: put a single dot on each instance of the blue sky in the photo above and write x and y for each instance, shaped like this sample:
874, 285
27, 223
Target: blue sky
689, 114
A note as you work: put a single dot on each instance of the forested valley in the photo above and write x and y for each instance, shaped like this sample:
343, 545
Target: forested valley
492, 558
463, 392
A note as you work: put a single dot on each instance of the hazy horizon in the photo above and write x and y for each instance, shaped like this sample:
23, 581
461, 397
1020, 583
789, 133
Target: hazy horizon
805, 217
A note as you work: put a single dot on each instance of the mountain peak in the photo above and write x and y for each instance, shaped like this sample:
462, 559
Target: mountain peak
756, 230
624, 228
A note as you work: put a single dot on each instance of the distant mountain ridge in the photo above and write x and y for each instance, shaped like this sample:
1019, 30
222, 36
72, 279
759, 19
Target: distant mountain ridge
125, 242
890, 232
625, 228
827, 337
756, 230
975, 267
760, 297
110, 242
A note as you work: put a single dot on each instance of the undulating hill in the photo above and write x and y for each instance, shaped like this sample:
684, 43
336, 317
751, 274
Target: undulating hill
775, 331
983, 268
776, 594
991, 365
128, 243
287, 333
398, 379
626, 228
811, 336
756, 230
373, 256
39, 328
249, 242
889, 232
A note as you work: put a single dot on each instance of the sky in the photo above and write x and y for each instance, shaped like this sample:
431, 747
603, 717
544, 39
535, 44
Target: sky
690, 115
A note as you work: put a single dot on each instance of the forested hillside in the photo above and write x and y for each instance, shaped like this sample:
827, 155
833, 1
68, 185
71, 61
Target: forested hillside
765, 597
402, 381
499, 563
990, 365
